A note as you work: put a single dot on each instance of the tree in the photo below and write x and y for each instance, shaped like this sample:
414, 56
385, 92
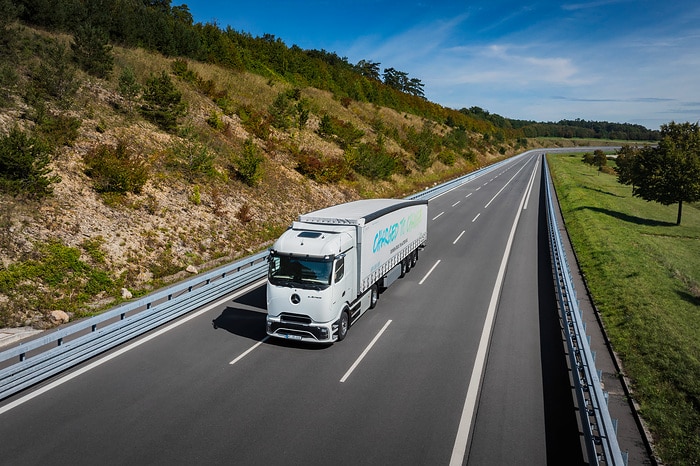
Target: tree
368, 69
128, 87
24, 166
670, 172
599, 159
92, 51
624, 163
162, 102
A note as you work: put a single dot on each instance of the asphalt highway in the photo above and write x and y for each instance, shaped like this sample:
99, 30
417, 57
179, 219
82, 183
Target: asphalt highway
461, 362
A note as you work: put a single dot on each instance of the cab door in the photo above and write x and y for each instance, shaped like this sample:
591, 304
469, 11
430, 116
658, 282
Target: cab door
340, 283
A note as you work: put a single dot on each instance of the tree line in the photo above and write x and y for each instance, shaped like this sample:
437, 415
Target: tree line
171, 30
576, 128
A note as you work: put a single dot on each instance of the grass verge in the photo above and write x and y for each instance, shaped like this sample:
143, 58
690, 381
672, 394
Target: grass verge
644, 274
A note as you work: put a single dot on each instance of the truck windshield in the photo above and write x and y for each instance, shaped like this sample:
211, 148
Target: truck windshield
300, 272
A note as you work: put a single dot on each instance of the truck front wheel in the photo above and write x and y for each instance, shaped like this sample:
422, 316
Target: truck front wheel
343, 325
373, 296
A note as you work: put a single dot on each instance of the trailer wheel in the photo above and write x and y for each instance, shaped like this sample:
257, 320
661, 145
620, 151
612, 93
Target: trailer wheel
403, 268
373, 296
343, 325
414, 258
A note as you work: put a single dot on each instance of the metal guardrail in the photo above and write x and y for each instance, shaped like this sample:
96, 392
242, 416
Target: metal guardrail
59, 350
56, 351
598, 428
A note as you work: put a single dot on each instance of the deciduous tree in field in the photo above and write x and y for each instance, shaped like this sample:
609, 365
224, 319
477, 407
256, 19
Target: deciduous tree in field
670, 172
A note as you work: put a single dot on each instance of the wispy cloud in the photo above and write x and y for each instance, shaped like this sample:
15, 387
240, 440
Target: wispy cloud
594, 4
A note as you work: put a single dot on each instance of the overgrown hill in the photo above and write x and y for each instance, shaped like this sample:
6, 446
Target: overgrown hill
121, 180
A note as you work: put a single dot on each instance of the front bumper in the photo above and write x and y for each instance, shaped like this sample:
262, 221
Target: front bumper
315, 333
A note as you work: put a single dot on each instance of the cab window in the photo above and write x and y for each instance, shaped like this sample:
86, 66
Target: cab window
339, 269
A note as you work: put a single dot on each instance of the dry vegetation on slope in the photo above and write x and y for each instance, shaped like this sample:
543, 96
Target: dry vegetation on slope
77, 249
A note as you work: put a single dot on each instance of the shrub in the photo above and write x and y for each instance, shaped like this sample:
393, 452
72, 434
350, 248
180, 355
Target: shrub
24, 167
249, 166
8, 81
180, 68
57, 129
281, 111
128, 87
344, 133
71, 281
255, 123
371, 161
448, 157
92, 52
193, 160
215, 121
330, 170
162, 102
54, 78
244, 214
116, 169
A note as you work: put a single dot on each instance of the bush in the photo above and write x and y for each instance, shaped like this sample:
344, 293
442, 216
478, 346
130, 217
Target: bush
92, 51
193, 160
281, 111
128, 87
372, 161
181, 69
249, 166
24, 166
56, 129
54, 78
255, 122
116, 169
448, 157
344, 133
162, 102
215, 121
71, 282
330, 170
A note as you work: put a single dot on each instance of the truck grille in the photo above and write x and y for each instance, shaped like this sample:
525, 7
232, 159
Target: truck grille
295, 318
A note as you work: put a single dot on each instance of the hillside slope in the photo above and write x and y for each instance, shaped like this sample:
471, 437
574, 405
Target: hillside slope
244, 156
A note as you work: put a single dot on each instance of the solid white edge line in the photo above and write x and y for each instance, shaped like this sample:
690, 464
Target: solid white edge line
429, 272
364, 353
460, 235
123, 350
465, 423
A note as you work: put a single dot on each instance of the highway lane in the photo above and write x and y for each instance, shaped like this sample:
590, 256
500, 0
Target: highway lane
177, 398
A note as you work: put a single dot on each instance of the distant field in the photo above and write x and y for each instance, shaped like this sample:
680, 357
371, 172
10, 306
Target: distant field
644, 274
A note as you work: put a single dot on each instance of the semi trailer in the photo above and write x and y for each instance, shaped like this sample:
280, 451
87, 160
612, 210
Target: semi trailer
329, 267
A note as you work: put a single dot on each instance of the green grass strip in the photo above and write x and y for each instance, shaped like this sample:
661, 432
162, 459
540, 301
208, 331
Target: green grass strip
644, 274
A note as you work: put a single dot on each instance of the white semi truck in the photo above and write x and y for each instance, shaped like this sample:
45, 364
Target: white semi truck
328, 268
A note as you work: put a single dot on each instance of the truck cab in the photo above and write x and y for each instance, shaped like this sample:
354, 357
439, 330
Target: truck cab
310, 281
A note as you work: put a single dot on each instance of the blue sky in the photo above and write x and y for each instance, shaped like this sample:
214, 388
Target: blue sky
634, 61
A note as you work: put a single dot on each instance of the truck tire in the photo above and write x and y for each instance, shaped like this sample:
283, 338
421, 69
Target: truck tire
414, 258
373, 296
343, 325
